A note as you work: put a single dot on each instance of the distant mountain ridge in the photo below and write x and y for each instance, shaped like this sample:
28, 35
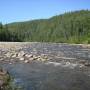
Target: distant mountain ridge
70, 27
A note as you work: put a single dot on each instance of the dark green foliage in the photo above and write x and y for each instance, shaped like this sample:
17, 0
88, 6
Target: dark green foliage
6, 34
71, 27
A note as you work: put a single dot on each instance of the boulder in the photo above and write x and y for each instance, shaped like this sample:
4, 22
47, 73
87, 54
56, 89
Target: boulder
21, 54
21, 59
15, 55
43, 60
44, 56
87, 64
82, 61
29, 56
39, 59
1, 59
35, 57
26, 61
31, 59
8, 54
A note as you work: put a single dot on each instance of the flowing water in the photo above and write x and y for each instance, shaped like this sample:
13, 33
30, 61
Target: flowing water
52, 75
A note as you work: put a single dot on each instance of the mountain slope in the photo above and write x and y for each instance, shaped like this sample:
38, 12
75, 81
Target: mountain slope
71, 27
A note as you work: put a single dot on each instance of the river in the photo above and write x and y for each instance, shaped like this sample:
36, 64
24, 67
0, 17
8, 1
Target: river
53, 74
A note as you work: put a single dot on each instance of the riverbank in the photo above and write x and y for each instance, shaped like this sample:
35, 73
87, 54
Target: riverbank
27, 52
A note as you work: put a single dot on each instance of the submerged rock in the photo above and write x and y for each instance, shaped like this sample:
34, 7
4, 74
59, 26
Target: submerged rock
87, 64
4, 79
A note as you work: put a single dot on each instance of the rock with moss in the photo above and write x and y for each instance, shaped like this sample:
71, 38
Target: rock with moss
6, 81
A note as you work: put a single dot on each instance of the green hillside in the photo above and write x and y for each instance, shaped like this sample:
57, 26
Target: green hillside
71, 27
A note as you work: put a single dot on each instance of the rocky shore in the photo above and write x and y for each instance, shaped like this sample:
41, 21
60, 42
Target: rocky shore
22, 56
14, 52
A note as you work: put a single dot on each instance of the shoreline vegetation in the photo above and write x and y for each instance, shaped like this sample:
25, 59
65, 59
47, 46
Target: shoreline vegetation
6, 81
70, 27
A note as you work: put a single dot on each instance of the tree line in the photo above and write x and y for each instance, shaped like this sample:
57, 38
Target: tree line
71, 27
6, 34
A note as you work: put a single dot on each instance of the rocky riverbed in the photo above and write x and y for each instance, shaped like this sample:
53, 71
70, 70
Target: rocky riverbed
15, 53
47, 66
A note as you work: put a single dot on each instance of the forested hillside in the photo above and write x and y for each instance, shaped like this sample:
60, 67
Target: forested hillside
71, 27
